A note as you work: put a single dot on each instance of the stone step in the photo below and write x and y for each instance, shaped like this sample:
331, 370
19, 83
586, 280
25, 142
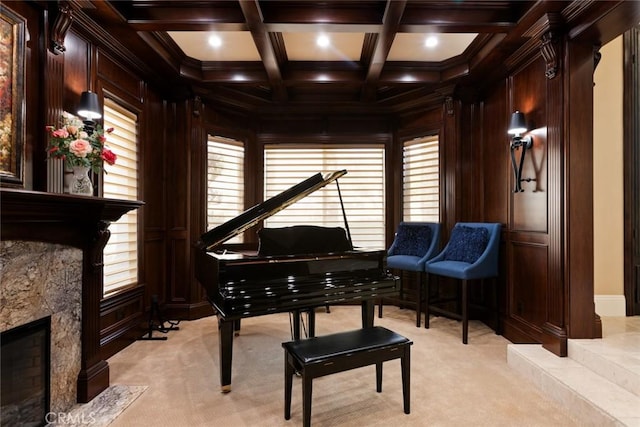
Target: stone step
616, 358
595, 400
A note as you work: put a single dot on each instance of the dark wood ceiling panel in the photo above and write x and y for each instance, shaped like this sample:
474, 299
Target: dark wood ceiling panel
182, 16
467, 16
323, 12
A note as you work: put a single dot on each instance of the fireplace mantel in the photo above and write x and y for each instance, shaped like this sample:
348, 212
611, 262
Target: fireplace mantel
81, 222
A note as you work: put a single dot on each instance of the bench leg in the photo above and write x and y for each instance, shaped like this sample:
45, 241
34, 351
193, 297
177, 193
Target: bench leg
405, 365
307, 389
289, 371
379, 377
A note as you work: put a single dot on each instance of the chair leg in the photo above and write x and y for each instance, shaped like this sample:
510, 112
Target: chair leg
380, 301
465, 313
379, 377
496, 292
426, 301
419, 302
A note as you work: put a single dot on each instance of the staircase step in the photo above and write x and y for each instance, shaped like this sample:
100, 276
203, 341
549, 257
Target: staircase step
594, 400
616, 358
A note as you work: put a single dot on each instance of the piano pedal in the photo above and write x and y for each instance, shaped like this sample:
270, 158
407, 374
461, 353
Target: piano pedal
153, 313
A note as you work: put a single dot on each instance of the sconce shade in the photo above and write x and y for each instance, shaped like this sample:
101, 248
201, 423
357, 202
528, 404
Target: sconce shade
517, 125
89, 107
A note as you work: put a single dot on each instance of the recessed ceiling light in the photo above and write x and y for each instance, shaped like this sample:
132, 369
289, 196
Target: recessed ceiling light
215, 40
431, 41
323, 40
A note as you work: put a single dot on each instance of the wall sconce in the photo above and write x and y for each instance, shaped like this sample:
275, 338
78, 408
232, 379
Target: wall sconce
89, 109
517, 127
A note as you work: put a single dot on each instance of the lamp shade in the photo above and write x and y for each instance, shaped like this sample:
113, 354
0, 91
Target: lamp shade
89, 107
517, 125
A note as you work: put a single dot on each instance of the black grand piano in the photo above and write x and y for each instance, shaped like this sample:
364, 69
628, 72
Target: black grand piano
293, 269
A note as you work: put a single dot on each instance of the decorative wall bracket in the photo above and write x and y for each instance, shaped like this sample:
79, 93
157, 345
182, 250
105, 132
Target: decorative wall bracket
548, 50
448, 102
60, 26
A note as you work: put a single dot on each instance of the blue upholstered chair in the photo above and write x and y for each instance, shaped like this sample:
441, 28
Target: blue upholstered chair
413, 245
472, 253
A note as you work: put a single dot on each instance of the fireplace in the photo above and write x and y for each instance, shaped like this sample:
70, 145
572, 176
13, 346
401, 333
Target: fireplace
25, 373
51, 256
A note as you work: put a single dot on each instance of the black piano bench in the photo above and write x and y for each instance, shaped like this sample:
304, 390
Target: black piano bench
329, 354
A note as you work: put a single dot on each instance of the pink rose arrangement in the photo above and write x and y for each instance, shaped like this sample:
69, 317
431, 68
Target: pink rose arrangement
76, 147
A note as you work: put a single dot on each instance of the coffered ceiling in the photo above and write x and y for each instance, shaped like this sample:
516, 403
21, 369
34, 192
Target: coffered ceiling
268, 56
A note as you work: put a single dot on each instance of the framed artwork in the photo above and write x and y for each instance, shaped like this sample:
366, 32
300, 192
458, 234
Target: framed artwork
12, 98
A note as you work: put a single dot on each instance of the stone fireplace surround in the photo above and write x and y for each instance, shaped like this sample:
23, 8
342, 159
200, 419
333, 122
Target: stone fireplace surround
39, 280
51, 259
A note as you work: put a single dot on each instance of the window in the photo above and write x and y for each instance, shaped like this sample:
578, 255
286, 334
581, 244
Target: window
225, 181
421, 179
362, 188
120, 181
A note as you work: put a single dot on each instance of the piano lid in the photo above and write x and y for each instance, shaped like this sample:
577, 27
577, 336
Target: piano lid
270, 207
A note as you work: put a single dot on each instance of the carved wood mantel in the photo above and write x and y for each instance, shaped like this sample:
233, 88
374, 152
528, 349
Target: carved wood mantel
81, 222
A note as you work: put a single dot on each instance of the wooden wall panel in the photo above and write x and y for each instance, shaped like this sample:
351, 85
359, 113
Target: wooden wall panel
153, 156
496, 169
123, 81
529, 208
528, 283
77, 77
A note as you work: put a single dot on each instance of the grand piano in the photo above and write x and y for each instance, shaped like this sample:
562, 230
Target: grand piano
294, 269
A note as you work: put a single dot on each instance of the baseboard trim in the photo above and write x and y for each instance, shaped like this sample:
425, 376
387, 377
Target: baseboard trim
610, 305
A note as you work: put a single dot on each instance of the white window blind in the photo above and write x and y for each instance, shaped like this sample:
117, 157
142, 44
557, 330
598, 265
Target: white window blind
362, 188
121, 182
225, 181
421, 179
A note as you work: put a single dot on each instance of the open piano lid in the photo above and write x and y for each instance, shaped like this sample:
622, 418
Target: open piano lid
270, 207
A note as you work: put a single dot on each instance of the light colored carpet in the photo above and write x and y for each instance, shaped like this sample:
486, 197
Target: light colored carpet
451, 384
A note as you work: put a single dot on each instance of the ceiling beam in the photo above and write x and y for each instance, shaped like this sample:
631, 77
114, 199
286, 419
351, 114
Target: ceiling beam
391, 21
253, 17
182, 16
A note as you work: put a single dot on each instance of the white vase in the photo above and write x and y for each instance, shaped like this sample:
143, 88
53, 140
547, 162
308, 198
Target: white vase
81, 183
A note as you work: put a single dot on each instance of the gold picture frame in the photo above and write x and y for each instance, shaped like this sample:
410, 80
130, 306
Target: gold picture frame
12, 98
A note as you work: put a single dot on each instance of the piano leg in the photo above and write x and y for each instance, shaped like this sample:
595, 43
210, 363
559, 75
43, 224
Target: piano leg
367, 313
312, 323
225, 344
297, 323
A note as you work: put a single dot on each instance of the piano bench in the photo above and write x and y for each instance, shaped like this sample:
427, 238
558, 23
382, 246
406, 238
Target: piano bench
328, 354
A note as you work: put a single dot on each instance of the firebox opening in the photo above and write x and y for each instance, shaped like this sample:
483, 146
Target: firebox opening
25, 358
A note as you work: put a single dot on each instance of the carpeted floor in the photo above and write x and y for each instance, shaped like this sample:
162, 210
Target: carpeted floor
451, 384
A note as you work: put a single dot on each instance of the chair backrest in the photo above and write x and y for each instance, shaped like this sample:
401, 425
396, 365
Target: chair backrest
469, 243
420, 239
